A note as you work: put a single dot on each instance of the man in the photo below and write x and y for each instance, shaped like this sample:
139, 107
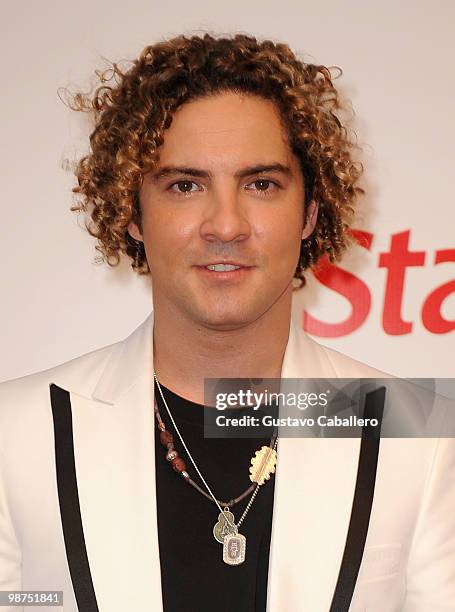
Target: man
220, 166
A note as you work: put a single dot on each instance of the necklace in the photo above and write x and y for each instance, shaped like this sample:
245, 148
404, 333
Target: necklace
225, 530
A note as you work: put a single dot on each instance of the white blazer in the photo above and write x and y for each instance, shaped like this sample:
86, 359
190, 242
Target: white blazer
78, 508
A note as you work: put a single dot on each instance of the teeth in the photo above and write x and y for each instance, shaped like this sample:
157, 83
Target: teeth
222, 267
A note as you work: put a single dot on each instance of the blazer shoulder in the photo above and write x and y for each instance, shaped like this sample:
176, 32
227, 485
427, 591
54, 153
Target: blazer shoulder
415, 409
348, 367
79, 373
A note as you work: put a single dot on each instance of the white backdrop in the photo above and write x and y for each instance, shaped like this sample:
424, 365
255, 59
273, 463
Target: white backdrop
397, 59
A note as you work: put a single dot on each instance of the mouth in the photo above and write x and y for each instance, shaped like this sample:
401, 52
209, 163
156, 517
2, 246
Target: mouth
224, 270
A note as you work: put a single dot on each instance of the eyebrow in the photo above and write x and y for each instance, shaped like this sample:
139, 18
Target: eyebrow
168, 171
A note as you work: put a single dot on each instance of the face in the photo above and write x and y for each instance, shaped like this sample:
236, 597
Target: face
227, 190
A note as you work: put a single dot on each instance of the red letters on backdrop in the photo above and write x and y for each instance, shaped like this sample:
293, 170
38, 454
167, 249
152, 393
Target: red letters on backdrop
396, 260
431, 311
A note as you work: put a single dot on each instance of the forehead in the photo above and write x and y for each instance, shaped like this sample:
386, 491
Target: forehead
227, 129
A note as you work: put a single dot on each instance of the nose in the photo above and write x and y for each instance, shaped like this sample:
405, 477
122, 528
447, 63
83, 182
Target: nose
225, 217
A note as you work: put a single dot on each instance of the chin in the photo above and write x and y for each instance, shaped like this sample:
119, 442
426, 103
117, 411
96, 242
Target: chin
225, 320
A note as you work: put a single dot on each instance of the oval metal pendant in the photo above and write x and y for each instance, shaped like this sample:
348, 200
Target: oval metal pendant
263, 464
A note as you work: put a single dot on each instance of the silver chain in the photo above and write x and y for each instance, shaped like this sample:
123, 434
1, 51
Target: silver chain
253, 496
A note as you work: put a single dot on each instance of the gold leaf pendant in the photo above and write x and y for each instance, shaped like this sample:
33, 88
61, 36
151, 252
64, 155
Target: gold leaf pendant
263, 465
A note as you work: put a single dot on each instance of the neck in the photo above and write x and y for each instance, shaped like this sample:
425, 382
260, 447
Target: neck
185, 353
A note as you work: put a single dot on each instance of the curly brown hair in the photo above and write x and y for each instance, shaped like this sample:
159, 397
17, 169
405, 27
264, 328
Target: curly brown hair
132, 108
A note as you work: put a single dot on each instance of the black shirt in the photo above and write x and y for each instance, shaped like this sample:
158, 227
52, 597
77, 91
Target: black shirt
194, 576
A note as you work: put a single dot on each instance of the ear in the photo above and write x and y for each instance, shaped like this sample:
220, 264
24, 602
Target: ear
134, 232
311, 215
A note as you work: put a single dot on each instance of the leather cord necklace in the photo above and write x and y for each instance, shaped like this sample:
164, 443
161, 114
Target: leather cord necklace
225, 530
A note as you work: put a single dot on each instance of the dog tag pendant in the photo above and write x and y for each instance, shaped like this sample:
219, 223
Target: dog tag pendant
234, 549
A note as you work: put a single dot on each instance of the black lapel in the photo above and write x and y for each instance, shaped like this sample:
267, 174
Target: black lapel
68, 497
361, 506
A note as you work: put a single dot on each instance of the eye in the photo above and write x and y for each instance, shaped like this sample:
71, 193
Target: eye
183, 187
263, 186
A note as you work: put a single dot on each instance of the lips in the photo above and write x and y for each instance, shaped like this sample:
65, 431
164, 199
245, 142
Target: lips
224, 271
223, 267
